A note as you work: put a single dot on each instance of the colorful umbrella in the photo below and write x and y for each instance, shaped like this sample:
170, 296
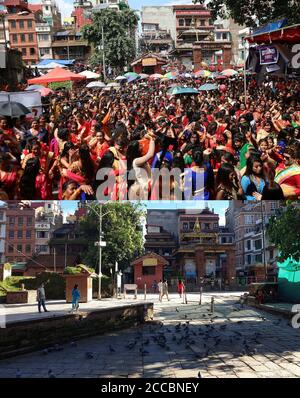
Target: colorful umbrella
129, 74
202, 73
119, 78
220, 77
43, 90
208, 87
183, 91
132, 78
143, 76
171, 75
156, 76
96, 85
34, 87
229, 72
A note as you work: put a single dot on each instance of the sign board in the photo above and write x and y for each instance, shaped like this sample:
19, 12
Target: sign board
102, 244
268, 55
149, 62
153, 230
149, 262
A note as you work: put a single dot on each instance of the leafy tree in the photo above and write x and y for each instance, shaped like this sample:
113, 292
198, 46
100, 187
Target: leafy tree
119, 35
122, 230
284, 231
255, 12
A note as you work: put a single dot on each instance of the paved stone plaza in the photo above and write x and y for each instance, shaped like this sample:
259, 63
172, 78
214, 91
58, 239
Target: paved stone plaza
182, 340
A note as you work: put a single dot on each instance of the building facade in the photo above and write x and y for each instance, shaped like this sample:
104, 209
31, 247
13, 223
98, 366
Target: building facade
196, 38
199, 246
69, 44
20, 232
48, 217
22, 19
202, 252
2, 232
249, 221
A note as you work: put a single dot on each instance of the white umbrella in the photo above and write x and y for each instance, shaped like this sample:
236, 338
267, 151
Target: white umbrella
113, 85
121, 78
96, 85
144, 76
89, 74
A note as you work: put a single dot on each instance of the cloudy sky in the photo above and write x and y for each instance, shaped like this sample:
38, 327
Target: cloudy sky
66, 6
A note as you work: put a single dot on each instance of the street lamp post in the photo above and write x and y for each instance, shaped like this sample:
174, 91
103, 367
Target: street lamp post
100, 254
263, 240
103, 54
100, 243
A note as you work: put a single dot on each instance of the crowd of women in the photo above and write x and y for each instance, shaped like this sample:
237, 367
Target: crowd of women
139, 142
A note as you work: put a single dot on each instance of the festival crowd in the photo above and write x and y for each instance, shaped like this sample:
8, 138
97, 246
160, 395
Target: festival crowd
124, 142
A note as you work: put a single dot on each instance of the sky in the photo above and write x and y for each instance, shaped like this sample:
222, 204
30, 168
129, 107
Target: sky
66, 6
219, 206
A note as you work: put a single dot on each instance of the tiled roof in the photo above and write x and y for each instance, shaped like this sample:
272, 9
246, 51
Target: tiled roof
35, 7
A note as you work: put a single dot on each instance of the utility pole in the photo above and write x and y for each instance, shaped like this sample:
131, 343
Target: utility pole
263, 239
54, 262
100, 253
103, 54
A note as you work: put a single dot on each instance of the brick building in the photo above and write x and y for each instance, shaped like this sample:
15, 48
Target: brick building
20, 232
148, 269
199, 246
22, 19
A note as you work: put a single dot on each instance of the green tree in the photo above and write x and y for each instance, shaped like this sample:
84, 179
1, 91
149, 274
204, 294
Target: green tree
119, 35
255, 12
122, 230
284, 231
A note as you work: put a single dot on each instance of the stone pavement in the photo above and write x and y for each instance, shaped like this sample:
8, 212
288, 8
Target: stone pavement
183, 340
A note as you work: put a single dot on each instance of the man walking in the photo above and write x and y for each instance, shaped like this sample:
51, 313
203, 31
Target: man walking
41, 298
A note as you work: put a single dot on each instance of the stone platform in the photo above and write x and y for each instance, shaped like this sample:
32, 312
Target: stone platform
27, 331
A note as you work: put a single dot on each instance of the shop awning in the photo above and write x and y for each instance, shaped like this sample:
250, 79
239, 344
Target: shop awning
288, 34
56, 75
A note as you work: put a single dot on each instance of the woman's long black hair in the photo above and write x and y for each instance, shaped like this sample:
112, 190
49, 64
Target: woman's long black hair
27, 182
87, 163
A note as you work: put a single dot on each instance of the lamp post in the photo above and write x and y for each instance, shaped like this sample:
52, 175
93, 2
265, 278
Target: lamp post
101, 7
100, 243
263, 240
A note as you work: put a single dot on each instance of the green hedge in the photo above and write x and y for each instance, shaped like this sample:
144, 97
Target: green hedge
106, 287
55, 285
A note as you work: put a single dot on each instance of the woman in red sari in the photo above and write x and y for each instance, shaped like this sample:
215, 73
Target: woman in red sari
43, 180
8, 175
98, 146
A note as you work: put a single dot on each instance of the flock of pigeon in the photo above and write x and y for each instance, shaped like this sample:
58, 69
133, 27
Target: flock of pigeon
201, 339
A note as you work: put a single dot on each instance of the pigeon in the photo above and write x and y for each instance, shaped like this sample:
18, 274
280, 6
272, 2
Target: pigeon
185, 316
89, 355
177, 310
111, 349
18, 374
50, 374
199, 375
